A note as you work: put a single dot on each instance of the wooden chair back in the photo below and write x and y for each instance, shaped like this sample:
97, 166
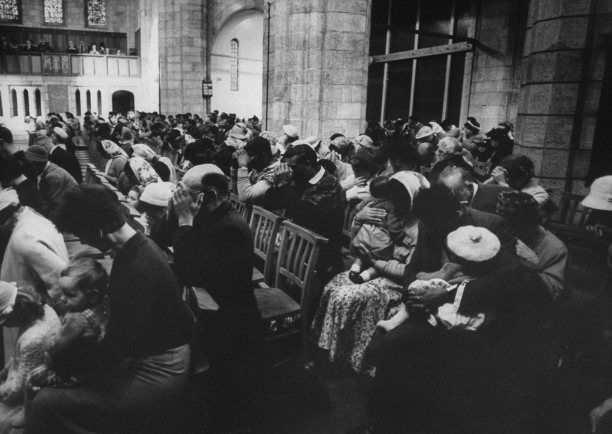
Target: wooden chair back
265, 226
571, 213
297, 260
239, 206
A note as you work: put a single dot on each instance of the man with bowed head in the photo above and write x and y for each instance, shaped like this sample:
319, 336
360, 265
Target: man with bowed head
213, 249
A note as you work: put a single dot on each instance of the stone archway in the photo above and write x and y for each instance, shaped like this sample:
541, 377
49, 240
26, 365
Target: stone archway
123, 101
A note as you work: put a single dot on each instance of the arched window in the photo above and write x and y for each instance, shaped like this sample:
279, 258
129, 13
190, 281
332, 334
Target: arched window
10, 11
234, 64
26, 102
54, 11
77, 97
88, 98
38, 102
99, 95
14, 102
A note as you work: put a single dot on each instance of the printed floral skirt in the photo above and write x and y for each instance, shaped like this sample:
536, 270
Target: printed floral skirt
347, 315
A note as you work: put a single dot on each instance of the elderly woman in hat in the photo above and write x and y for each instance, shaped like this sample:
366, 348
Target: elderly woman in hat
38, 325
537, 248
158, 162
599, 201
116, 159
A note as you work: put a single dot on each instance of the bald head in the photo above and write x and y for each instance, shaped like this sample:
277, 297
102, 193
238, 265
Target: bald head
459, 181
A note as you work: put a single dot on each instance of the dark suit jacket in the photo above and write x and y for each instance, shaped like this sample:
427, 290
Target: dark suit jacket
486, 197
68, 162
216, 253
54, 183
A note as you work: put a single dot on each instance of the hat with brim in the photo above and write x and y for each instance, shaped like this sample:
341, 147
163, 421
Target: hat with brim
424, 132
60, 133
600, 194
37, 154
313, 142
290, 131
237, 132
365, 141
473, 243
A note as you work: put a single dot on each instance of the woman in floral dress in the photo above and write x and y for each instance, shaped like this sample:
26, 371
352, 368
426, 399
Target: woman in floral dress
347, 315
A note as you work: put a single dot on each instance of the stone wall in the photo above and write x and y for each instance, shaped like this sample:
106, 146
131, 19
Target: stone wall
560, 89
495, 80
317, 74
182, 55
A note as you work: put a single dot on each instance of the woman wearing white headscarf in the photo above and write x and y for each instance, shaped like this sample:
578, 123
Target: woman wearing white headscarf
144, 151
141, 173
115, 164
348, 312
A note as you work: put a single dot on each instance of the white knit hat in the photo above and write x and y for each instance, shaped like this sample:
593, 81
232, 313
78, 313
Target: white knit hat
157, 194
474, 244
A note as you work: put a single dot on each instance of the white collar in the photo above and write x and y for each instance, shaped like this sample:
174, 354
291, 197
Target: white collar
315, 179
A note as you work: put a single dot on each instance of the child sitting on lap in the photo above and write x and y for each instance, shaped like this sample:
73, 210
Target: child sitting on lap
73, 357
377, 241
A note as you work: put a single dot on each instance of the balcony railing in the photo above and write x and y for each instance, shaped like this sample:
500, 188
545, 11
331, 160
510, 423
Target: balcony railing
60, 64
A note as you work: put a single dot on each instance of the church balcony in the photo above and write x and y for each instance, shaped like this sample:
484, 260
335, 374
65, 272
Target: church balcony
70, 65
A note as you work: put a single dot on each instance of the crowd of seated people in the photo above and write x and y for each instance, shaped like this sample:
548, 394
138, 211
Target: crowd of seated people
449, 268
14, 47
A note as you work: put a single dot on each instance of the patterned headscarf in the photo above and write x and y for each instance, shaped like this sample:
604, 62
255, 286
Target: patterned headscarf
112, 149
143, 151
520, 209
143, 171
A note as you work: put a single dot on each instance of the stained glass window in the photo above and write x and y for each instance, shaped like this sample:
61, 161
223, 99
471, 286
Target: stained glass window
96, 12
9, 11
234, 65
54, 11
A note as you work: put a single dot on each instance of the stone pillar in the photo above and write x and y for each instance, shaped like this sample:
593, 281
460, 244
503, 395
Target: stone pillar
318, 66
182, 55
560, 89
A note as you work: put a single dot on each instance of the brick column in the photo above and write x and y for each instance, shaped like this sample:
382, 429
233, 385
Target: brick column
560, 89
318, 66
182, 55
